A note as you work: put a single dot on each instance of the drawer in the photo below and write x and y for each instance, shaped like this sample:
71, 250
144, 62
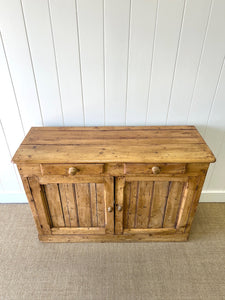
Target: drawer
154, 169
72, 169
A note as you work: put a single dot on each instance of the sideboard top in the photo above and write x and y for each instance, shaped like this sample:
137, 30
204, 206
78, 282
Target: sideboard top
144, 144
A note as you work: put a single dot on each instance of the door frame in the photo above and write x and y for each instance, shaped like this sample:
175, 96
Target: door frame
188, 202
42, 211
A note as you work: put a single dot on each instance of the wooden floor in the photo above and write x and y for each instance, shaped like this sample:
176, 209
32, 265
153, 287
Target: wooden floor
187, 270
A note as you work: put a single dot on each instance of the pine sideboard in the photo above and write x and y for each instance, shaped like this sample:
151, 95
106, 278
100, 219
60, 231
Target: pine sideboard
111, 184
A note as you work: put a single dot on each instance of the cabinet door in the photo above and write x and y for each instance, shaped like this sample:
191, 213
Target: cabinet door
84, 205
153, 204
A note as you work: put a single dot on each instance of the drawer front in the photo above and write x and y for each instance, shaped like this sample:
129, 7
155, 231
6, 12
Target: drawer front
154, 169
72, 169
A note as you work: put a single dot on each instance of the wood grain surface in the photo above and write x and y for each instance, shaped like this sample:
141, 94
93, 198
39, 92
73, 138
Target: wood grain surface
121, 144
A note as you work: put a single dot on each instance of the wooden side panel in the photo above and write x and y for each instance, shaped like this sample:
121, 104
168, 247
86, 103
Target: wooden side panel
55, 205
173, 203
143, 204
32, 204
160, 195
41, 205
83, 204
195, 201
186, 203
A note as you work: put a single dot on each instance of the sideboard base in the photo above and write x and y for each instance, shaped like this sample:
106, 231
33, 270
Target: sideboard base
177, 237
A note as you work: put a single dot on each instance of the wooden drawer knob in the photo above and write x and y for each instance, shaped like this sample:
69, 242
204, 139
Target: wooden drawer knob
119, 208
73, 171
155, 170
110, 209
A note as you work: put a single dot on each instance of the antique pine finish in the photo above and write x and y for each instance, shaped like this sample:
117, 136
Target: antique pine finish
113, 183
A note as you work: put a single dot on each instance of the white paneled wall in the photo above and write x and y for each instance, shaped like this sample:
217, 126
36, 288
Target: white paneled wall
111, 62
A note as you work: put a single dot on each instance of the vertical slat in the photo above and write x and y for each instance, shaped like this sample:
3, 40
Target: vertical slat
93, 199
83, 204
72, 204
142, 27
165, 50
68, 204
143, 204
173, 203
90, 25
54, 203
186, 203
41, 205
109, 202
8, 105
132, 204
119, 202
191, 43
116, 17
126, 204
36, 13
64, 200
158, 204
64, 26
210, 68
14, 36
101, 205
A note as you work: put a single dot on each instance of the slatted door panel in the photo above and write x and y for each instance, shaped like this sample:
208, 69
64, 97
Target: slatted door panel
78, 208
157, 205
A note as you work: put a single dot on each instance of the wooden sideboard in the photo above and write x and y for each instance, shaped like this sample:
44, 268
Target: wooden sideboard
110, 184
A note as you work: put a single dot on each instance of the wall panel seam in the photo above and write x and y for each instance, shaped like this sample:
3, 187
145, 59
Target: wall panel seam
55, 60
10, 154
151, 62
12, 84
103, 24
31, 60
78, 41
200, 60
128, 59
214, 95
177, 53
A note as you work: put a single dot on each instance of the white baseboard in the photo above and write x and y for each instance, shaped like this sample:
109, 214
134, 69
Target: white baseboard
13, 198
206, 196
212, 196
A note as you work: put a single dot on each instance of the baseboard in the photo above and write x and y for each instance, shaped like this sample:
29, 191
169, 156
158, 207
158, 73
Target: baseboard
13, 198
206, 196
212, 196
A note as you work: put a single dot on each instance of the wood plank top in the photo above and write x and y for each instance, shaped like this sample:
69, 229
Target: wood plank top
161, 144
